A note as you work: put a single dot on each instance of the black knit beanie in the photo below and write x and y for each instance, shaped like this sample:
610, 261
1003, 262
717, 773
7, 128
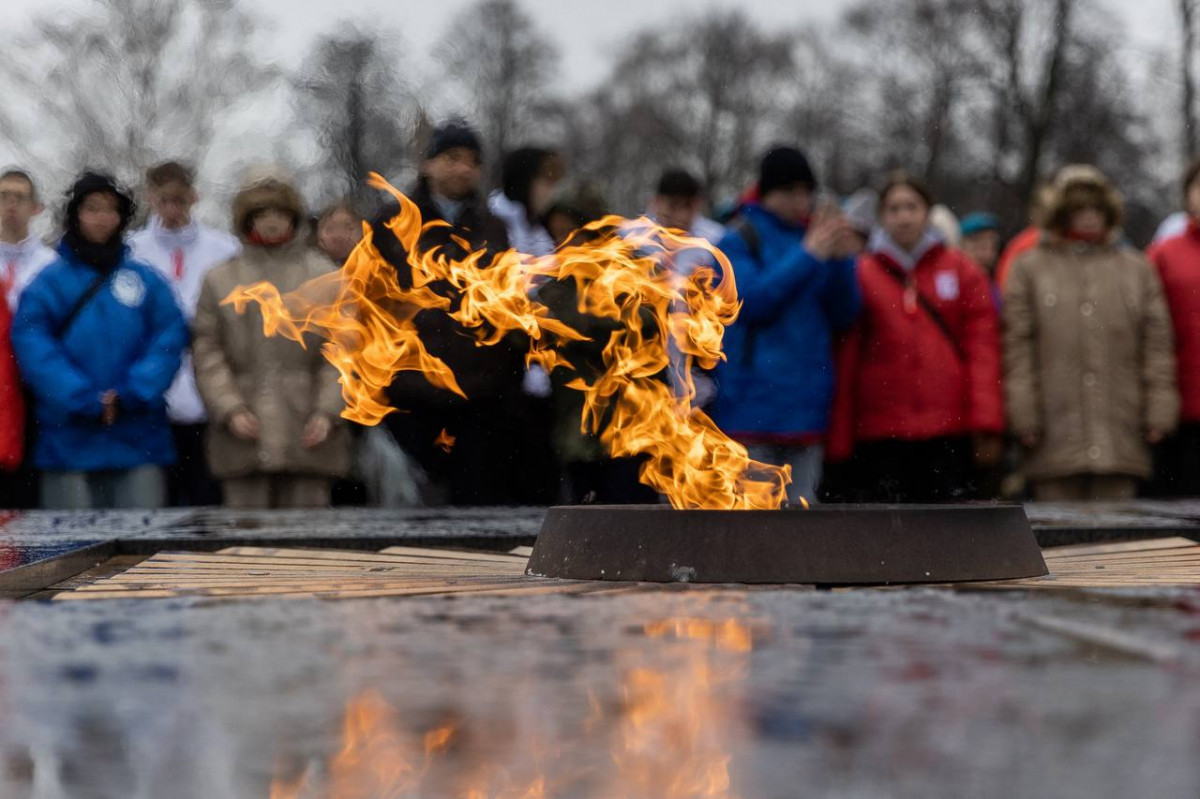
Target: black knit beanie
784, 167
455, 133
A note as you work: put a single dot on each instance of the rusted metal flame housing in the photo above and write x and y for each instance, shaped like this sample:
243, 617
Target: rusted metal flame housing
830, 545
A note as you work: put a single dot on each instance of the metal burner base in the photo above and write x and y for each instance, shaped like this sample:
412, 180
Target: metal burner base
830, 545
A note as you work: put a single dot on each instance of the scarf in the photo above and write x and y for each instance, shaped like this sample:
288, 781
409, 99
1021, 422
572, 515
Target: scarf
259, 241
171, 240
20, 251
883, 244
1087, 238
102, 257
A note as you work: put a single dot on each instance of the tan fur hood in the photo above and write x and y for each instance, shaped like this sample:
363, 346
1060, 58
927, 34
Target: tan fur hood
267, 188
1075, 178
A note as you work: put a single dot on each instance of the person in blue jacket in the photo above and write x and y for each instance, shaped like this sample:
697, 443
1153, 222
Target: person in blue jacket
794, 264
99, 338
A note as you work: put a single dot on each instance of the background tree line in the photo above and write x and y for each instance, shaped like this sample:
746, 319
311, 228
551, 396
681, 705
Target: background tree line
982, 97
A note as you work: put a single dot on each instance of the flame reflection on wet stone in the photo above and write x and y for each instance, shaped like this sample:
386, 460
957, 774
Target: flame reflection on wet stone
914, 693
665, 729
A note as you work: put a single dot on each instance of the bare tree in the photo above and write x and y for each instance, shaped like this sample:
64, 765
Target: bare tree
828, 113
1033, 73
1187, 59
984, 97
351, 96
127, 83
496, 53
925, 56
705, 94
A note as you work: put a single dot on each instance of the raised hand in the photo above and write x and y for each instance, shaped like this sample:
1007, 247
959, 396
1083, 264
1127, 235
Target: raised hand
111, 406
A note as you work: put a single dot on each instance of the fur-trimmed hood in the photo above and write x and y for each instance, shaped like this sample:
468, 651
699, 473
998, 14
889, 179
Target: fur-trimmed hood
268, 188
1068, 184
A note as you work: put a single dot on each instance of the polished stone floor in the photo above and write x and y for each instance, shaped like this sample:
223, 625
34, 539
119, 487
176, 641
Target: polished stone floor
748, 693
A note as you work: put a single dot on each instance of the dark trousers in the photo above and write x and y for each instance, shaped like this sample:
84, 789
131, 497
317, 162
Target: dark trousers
189, 482
19, 489
501, 454
932, 471
609, 482
1177, 464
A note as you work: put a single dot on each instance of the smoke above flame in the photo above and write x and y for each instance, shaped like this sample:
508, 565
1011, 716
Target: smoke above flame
619, 270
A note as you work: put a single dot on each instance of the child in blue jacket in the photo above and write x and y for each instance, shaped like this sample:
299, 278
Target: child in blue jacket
99, 338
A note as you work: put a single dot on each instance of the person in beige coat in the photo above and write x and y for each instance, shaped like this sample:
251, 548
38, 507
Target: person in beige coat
276, 439
1089, 363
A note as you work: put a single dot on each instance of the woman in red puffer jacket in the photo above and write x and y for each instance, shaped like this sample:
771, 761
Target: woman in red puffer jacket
919, 395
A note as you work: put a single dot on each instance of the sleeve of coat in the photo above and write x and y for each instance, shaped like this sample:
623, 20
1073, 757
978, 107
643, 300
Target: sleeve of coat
329, 399
842, 296
43, 360
214, 376
1021, 384
151, 375
767, 289
1158, 359
324, 289
840, 439
12, 415
981, 340
388, 246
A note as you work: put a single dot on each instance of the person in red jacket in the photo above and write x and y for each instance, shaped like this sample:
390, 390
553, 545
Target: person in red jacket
1025, 241
1177, 260
12, 404
919, 395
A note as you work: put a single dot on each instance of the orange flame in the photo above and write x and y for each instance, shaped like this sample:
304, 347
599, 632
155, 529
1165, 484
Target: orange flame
671, 739
282, 788
375, 759
668, 740
379, 758
445, 441
731, 635
620, 272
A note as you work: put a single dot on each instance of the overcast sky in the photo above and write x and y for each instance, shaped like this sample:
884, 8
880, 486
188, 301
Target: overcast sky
586, 31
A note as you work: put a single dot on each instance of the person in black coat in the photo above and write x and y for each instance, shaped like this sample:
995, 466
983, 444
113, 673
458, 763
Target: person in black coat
490, 459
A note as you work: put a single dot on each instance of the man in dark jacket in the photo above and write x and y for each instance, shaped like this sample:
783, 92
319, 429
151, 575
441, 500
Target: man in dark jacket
483, 465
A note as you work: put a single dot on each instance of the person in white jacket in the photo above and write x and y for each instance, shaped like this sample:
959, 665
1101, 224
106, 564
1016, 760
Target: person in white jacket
22, 255
183, 251
530, 177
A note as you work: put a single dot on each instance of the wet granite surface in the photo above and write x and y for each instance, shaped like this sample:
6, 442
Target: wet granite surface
675, 692
917, 693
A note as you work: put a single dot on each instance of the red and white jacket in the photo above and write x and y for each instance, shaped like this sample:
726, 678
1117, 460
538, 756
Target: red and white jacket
901, 374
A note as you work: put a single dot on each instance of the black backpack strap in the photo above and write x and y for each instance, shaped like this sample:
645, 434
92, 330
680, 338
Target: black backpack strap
91, 291
750, 235
928, 307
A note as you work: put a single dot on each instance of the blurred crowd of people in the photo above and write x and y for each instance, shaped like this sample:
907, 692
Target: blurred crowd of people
885, 350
